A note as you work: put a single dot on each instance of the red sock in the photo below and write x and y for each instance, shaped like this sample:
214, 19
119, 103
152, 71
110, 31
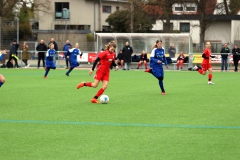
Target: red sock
89, 84
138, 65
210, 77
200, 71
99, 92
145, 65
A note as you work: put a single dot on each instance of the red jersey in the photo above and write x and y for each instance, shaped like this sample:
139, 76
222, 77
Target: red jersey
106, 59
207, 53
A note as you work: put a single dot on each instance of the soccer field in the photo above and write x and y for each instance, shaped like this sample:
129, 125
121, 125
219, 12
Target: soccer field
51, 119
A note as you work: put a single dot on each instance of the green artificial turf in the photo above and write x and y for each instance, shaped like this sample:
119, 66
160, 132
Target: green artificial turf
51, 119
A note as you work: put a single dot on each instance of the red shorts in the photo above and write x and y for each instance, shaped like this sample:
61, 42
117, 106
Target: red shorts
101, 76
206, 66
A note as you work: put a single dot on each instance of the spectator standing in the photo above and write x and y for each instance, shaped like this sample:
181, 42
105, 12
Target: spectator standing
225, 50
13, 52
143, 59
120, 59
52, 40
41, 48
180, 60
172, 51
65, 51
157, 58
127, 55
25, 55
236, 56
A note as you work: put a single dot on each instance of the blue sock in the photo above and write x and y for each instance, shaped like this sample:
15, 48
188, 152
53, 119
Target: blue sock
70, 70
160, 82
1, 83
46, 73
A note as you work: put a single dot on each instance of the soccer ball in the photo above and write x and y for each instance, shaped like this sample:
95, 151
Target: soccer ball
104, 99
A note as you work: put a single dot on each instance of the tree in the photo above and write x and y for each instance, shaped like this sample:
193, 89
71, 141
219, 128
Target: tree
120, 20
234, 6
24, 23
163, 10
9, 8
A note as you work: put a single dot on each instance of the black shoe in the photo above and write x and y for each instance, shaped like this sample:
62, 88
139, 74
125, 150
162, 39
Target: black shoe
124, 69
67, 74
199, 67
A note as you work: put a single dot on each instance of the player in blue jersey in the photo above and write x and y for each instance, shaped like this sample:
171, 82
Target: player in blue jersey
2, 79
157, 58
72, 56
49, 59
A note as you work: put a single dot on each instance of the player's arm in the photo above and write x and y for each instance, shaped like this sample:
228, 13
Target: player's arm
115, 65
95, 63
165, 61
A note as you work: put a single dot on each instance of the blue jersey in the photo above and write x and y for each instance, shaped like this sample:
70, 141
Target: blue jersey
74, 52
157, 54
50, 55
1, 56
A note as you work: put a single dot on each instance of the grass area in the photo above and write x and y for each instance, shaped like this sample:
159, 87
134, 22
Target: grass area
51, 119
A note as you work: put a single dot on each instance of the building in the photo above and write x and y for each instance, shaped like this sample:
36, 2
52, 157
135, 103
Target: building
74, 19
221, 28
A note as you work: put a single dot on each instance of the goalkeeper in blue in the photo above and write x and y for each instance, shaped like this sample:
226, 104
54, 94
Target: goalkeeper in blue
72, 56
2, 79
157, 58
49, 59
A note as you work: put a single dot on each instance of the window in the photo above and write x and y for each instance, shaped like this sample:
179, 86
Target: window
185, 27
72, 27
190, 8
106, 9
178, 8
35, 25
117, 8
105, 28
62, 10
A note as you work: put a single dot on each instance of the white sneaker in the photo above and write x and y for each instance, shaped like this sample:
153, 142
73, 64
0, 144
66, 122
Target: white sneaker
28, 65
195, 68
25, 67
210, 82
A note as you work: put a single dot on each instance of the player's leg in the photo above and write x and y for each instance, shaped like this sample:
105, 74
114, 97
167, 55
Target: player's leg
181, 64
210, 76
72, 66
121, 63
2, 80
16, 62
145, 64
100, 91
177, 65
48, 67
139, 64
160, 82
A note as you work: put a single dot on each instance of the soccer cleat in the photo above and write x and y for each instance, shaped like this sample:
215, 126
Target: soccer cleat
80, 85
28, 65
45, 77
94, 100
210, 82
148, 70
67, 74
163, 93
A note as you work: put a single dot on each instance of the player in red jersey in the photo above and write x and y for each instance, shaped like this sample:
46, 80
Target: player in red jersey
106, 58
206, 63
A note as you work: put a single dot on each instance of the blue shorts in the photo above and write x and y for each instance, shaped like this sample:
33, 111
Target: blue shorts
158, 72
74, 64
50, 64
